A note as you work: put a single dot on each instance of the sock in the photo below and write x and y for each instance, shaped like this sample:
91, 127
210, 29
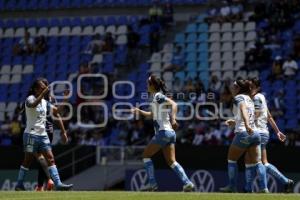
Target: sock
250, 174
232, 174
262, 176
150, 171
22, 173
180, 173
54, 175
271, 169
44, 165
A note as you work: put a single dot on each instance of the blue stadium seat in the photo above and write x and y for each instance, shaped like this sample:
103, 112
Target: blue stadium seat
88, 21
32, 22
179, 38
66, 22
191, 28
191, 66
55, 22
203, 37
43, 4
203, 28
99, 21
111, 20
192, 37
76, 21
123, 20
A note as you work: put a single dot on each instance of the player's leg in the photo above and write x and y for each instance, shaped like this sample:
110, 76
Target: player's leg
169, 154
271, 169
24, 168
149, 151
256, 167
236, 150
43, 174
45, 149
29, 148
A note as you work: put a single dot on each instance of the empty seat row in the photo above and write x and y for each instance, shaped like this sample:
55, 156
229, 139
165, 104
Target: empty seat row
57, 31
16, 69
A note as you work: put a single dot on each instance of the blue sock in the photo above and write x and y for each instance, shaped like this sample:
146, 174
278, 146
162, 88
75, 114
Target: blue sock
232, 174
262, 176
180, 173
250, 174
22, 173
271, 169
54, 175
150, 170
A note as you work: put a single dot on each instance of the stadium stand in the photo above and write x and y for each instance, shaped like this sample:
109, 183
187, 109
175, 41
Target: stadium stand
203, 59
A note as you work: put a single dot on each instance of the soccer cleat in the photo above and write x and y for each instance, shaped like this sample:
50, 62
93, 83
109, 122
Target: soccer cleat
266, 191
50, 185
189, 187
64, 187
39, 188
227, 189
19, 187
288, 188
149, 188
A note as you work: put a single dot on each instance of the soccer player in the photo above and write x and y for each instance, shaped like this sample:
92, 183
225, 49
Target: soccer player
165, 136
263, 116
35, 138
246, 138
43, 173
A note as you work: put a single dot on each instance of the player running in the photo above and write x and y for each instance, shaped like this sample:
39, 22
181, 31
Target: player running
35, 138
165, 136
263, 116
246, 138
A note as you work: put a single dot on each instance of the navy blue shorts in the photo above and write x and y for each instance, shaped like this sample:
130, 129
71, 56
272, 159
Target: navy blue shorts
264, 140
244, 140
36, 143
164, 138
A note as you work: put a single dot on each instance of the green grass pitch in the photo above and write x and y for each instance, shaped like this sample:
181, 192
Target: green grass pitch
141, 196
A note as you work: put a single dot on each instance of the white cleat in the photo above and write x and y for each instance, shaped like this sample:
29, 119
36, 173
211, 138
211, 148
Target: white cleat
189, 187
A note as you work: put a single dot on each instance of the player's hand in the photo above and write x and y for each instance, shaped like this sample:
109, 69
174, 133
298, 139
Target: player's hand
281, 136
134, 110
66, 94
64, 138
46, 90
249, 130
230, 122
174, 124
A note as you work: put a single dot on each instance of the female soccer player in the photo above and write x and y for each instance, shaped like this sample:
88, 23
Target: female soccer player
263, 116
165, 136
246, 138
43, 174
35, 138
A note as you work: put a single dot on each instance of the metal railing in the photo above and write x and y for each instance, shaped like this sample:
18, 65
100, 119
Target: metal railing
71, 153
104, 155
116, 155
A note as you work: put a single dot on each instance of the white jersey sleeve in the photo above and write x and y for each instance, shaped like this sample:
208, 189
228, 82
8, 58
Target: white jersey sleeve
261, 107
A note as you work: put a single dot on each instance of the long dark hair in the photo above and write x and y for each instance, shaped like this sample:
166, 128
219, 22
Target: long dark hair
47, 96
255, 81
34, 85
244, 85
158, 84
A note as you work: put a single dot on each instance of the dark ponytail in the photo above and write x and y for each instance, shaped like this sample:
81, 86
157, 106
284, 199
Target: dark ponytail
158, 84
244, 85
256, 82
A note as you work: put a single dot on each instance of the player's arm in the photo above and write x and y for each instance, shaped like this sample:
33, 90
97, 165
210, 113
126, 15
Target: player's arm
279, 134
142, 112
65, 100
245, 117
56, 114
174, 110
33, 102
